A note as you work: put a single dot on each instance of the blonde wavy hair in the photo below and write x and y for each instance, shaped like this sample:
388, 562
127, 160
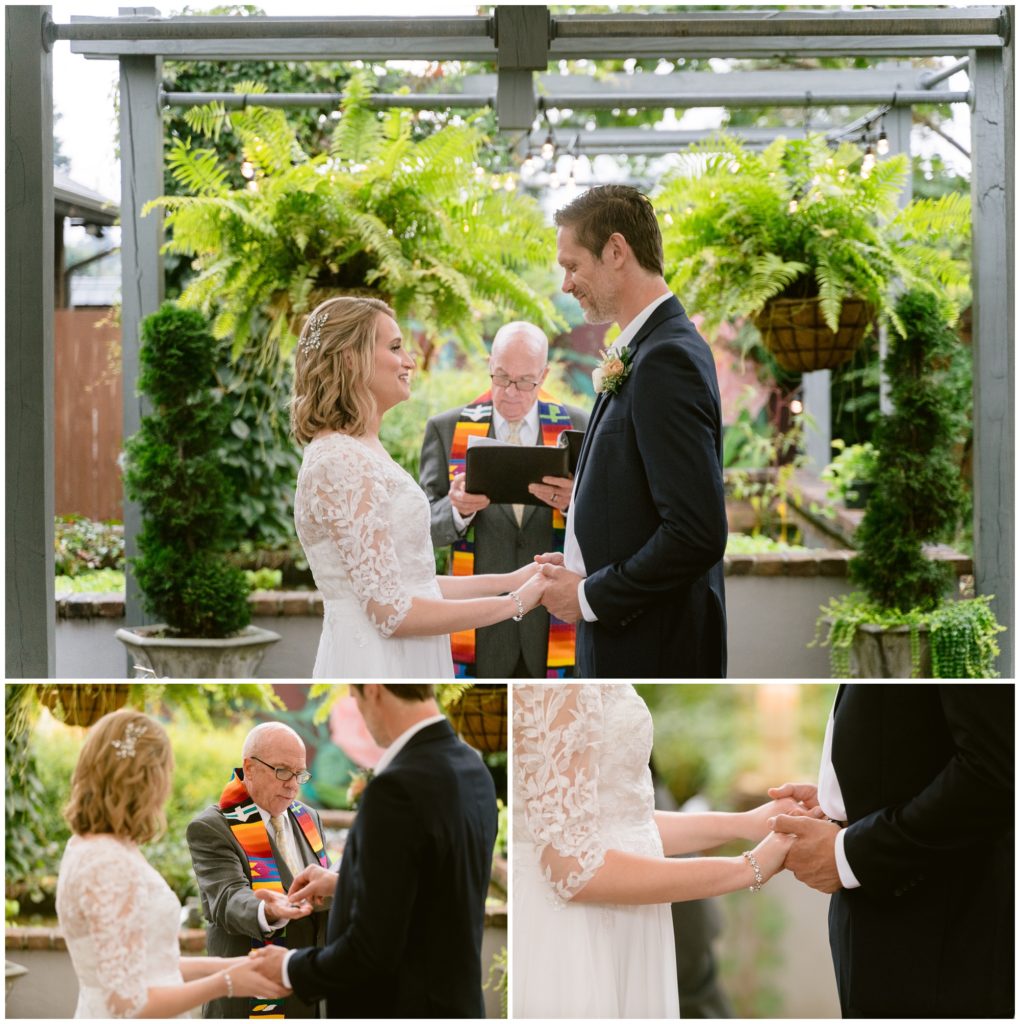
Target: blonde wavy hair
122, 795
331, 381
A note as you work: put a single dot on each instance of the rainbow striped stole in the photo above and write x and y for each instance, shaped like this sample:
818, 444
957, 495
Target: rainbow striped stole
252, 836
475, 420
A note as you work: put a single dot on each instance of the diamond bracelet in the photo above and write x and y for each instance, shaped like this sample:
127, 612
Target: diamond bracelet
756, 868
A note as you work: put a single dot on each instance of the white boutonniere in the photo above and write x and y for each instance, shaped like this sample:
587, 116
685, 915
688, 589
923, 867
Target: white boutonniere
610, 374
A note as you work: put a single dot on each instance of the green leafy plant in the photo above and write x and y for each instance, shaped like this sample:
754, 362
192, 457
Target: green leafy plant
918, 499
855, 464
415, 221
98, 581
499, 979
799, 220
82, 544
174, 472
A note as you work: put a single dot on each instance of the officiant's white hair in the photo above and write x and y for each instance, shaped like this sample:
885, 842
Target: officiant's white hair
256, 739
537, 339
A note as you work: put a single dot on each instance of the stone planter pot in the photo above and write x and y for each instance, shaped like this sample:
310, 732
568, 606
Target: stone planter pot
12, 972
234, 657
879, 653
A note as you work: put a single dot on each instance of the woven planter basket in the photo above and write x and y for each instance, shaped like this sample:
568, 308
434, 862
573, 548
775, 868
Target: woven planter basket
85, 703
480, 717
795, 332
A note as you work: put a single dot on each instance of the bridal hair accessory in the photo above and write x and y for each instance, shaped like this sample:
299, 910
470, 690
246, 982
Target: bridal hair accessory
126, 746
610, 374
315, 324
756, 868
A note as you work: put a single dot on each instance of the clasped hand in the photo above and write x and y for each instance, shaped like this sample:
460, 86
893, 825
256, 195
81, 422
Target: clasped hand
811, 854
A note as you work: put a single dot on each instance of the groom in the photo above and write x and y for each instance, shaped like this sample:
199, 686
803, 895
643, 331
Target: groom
642, 567
404, 935
916, 784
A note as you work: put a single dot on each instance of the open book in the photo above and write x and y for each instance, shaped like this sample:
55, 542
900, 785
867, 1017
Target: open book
503, 471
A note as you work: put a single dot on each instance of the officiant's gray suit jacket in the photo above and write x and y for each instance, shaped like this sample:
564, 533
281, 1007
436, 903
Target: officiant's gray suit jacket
231, 907
500, 546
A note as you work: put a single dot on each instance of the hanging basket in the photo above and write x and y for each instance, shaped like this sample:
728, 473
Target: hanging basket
84, 703
795, 332
480, 717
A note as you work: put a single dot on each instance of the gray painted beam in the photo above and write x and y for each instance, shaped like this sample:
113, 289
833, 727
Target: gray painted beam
28, 395
994, 366
141, 167
802, 45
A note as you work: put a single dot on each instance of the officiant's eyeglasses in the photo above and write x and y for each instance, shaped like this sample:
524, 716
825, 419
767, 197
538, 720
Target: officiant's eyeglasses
285, 774
501, 380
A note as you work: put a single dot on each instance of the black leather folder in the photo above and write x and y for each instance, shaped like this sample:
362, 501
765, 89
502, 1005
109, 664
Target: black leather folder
502, 472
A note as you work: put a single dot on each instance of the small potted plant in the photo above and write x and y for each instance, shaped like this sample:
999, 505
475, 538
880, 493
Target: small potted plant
851, 473
174, 472
903, 624
807, 240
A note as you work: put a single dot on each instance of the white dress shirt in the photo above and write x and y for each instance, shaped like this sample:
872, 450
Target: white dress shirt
830, 799
384, 762
572, 558
501, 430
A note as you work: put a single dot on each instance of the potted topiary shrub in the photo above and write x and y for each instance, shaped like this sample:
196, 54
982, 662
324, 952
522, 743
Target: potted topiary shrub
903, 624
805, 239
173, 471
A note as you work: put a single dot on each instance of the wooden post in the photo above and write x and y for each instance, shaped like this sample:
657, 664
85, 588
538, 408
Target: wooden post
30, 610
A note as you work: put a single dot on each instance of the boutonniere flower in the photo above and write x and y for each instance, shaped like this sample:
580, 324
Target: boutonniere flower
359, 780
610, 374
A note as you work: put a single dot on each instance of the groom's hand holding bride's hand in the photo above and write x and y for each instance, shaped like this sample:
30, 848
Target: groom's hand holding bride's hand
812, 858
560, 595
758, 819
253, 977
268, 962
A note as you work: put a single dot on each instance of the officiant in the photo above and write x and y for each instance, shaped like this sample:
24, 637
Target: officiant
490, 538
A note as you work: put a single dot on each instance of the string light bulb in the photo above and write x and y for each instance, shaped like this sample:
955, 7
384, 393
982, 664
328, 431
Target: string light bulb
883, 143
868, 163
549, 147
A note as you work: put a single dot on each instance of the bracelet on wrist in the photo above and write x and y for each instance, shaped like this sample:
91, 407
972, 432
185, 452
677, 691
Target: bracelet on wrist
230, 984
756, 868
519, 603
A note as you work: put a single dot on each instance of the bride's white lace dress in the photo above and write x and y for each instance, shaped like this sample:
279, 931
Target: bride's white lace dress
364, 524
120, 921
582, 786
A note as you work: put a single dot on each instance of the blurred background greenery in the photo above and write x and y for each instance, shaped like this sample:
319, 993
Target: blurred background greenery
719, 746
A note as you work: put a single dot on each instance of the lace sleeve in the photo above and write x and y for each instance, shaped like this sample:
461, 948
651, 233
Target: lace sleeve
557, 741
111, 898
348, 499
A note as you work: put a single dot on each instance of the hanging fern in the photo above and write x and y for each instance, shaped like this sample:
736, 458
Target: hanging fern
736, 224
409, 220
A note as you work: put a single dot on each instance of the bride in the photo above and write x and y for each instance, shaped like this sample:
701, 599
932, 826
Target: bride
119, 917
592, 878
364, 523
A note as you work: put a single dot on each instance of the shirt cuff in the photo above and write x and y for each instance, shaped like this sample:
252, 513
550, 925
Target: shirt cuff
586, 612
267, 928
846, 875
284, 973
461, 522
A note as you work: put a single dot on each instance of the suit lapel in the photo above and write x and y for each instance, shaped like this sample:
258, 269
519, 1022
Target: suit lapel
664, 311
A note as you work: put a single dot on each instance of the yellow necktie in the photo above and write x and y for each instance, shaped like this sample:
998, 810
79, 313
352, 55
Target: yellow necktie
284, 845
513, 436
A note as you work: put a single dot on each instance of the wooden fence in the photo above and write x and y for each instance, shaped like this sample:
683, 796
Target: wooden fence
87, 401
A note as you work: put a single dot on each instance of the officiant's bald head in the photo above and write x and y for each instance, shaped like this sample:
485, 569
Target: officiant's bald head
518, 365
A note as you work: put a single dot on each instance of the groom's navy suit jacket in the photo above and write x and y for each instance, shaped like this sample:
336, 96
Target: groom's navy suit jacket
649, 513
926, 772
404, 935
